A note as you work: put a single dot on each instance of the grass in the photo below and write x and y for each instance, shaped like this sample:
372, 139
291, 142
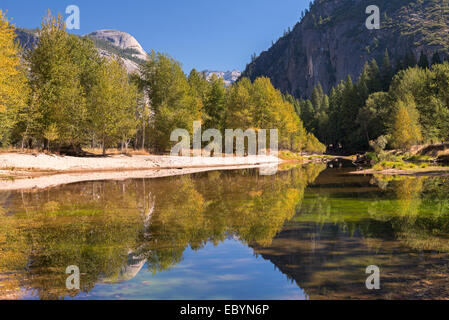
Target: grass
386, 165
289, 155
420, 167
20, 150
418, 157
115, 151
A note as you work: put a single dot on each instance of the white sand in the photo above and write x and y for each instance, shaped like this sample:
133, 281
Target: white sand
24, 171
57, 163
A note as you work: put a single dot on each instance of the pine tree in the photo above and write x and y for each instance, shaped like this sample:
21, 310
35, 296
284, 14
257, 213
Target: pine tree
399, 65
364, 83
317, 98
436, 59
308, 115
410, 60
375, 80
350, 105
423, 61
386, 71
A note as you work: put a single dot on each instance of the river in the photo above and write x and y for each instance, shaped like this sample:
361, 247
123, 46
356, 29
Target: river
307, 232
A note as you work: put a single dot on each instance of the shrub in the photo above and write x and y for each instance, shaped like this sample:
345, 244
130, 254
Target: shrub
372, 156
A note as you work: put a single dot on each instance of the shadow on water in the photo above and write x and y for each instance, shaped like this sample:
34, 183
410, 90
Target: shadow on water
318, 226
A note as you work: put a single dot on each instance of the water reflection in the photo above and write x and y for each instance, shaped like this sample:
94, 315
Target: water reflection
348, 223
111, 229
319, 228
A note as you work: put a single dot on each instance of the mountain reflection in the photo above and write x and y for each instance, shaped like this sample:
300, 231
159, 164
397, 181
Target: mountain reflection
399, 224
111, 229
320, 228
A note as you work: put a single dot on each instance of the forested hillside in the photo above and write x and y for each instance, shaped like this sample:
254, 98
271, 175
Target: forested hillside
359, 88
411, 107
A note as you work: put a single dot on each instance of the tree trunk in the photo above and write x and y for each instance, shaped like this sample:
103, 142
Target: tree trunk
143, 126
104, 147
367, 135
143, 134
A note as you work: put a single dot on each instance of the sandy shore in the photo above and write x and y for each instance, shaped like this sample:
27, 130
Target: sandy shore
25, 171
45, 162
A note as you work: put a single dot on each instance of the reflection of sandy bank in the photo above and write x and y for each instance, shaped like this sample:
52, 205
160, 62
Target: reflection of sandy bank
66, 178
70, 170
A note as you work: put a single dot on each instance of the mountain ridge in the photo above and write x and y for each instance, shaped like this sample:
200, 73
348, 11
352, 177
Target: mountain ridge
331, 42
107, 42
229, 77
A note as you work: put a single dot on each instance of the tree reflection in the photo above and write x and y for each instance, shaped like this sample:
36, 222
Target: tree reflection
340, 229
110, 229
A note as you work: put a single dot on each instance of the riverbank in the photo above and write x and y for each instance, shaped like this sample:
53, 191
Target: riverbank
417, 172
53, 163
27, 171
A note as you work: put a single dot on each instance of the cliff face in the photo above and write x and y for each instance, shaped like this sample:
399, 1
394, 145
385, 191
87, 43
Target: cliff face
114, 42
108, 43
332, 41
121, 40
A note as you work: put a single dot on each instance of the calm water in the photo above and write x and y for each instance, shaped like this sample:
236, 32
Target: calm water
306, 233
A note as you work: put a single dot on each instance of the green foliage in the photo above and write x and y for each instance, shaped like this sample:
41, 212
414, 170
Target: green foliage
78, 99
415, 109
406, 130
386, 165
215, 104
174, 102
113, 100
178, 100
372, 157
13, 85
259, 105
75, 97
379, 144
288, 155
59, 81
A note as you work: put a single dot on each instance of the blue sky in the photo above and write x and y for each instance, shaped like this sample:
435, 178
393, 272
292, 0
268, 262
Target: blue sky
201, 34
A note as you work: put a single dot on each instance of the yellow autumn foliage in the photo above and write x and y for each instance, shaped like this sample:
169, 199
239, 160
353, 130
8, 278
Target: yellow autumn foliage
13, 88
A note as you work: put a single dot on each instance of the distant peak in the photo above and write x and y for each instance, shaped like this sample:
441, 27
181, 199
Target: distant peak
120, 39
229, 77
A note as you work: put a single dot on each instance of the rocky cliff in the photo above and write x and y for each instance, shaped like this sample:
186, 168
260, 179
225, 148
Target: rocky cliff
114, 42
108, 43
121, 40
332, 41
